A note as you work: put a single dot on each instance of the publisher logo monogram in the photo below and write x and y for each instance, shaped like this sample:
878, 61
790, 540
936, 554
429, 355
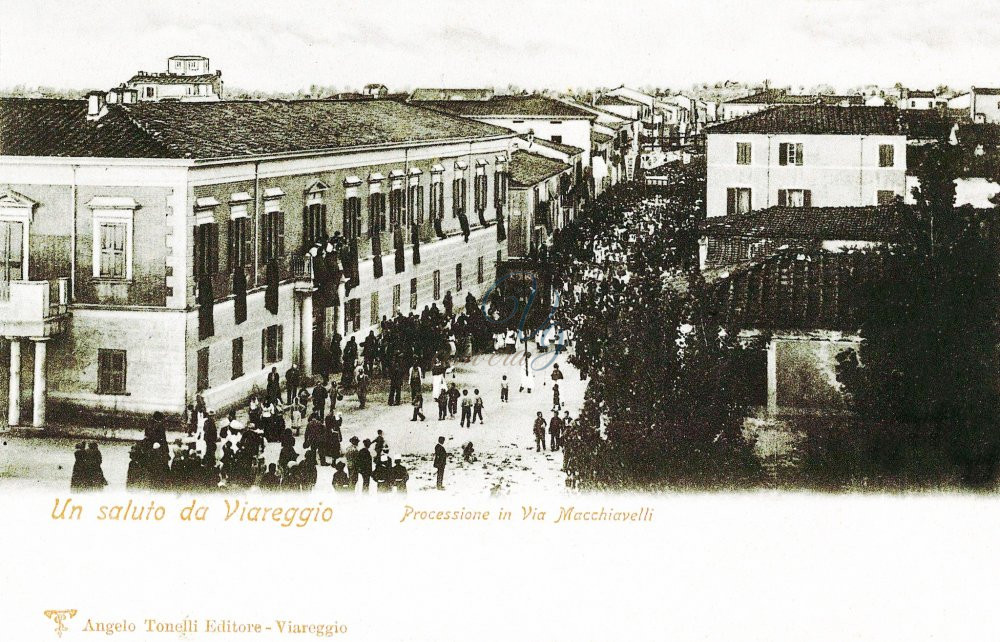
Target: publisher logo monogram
59, 617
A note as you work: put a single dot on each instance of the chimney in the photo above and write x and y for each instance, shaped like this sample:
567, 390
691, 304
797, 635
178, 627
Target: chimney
96, 106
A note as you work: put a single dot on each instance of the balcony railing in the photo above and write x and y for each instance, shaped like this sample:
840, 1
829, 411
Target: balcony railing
34, 308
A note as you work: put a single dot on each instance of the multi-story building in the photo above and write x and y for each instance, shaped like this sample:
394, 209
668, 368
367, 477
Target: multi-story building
188, 78
543, 117
155, 251
540, 200
808, 156
984, 104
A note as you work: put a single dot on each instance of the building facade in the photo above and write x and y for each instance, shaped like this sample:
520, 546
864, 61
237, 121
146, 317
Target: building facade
154, 264
813, 156
188, 78
984, 105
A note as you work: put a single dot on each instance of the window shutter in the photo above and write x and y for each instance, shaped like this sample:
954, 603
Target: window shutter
213, 241
322, 221
454, 197
308, 225
263, 348
782, 197
265, 237
346, 227
783, 153
231, 246
731, 201
247, 240
798, 153
807, 198
281, 342
279, 224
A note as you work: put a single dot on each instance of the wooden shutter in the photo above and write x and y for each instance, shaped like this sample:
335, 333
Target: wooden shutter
231, 241
783, 154
263, 348
347, 219
247, 240
807, 198
280, 343
279, 239
454, 197
798, 153
731, 201
266, 237
782, 197
322, 221
213, 248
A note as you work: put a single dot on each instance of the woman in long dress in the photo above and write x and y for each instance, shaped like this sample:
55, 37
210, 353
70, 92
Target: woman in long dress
527, 376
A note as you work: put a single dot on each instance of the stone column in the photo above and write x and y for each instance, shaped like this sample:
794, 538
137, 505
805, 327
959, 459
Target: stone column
772, 377
38, 416
14, 397
306, 330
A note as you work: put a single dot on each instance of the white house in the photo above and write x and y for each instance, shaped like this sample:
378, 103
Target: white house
188, 79
985, 105
805, 156
918, 99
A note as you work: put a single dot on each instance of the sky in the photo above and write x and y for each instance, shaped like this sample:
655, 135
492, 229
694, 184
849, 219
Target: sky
287, 45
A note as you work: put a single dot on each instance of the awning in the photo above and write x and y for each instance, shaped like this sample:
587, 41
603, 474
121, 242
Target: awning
437, 167
417, 171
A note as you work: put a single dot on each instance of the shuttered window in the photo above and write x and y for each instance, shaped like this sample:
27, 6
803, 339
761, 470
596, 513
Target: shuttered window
480, 193
352, 316
886, 156
273, 236
271, 345
202, 378
417, 204
790, 154
743, 151
352, 217
237, 357
376, 213
413, 294
795, 198
437, 284
458, 196
314, 223
238, 252
437, 201
206, 249
112, 367
373, 311
396, 295
113, 238
480, 270
396, 207
458, 277
738, 200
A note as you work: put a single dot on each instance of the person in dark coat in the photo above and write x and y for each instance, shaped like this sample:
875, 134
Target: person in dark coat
291, 384
555, 431
440, 461
315, 438
379, 444
334, 422
399, 476
363, 380
341, 482
319, 399
94, 476
453, 395
448, 304
418, 408
442, 402
211, 438
76, 480
336, 353
539, 429
271, 480
350, 357
156, 431
274, 385
364, 463
395, 382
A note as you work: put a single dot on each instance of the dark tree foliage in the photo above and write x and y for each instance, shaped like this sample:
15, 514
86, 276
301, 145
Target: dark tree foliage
666, 400
925, 381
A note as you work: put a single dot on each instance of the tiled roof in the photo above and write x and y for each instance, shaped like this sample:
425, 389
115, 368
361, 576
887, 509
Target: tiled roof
920, 93
506, 106
618, 119
987, 91
782, 97
597, 138
425, 93
617, 100
825, 223
569, 150
815, 119
55, 127
173, 79
793, 291
222, 129
927, 123
527, 169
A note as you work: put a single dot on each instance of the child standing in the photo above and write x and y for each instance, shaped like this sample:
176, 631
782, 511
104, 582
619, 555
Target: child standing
477, 407
556, 405
504, 390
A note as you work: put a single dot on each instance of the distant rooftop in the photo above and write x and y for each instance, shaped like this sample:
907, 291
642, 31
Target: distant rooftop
424, 93
569, 150
511, 106
782, 97
528, 169
172, 79
815, 119
884, 224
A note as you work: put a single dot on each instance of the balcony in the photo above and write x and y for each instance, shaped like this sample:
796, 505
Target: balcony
302, 272
34, 308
